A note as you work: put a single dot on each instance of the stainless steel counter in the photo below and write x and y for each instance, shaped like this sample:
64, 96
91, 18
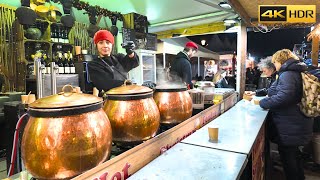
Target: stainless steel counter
238, 129
185, 161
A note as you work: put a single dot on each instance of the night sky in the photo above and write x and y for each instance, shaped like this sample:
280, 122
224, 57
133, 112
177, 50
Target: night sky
259, 44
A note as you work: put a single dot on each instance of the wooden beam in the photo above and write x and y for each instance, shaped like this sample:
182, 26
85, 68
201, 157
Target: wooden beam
193, 30
240, 10
315, 51
241, 60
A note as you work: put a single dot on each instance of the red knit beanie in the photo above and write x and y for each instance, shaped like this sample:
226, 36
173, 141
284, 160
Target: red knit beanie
103, 35
191, 44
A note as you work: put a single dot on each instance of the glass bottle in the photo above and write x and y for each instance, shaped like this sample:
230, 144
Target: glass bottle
71, 64
59, 30
47, 64
66, 64
60, 63
43, 63
66, 39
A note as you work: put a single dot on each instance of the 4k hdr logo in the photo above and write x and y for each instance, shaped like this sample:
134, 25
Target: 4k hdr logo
287, 13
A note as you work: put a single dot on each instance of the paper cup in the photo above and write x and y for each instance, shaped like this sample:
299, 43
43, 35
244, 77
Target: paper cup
31, 98
256, 101
95, 91
77, 49
213, 133
84, 51
77, 89
24, 99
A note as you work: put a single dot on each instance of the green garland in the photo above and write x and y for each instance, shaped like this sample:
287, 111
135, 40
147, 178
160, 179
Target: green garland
99, 11
94, 10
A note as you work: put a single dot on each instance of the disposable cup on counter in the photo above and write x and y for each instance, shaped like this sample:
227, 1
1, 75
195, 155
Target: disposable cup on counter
24, 99
256, 101
77, 89
31, 98
213, 133
95, 91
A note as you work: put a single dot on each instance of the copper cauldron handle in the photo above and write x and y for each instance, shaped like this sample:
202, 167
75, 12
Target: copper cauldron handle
67, 90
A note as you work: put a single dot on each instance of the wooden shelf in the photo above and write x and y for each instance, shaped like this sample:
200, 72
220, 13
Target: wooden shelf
61, 43
36, 41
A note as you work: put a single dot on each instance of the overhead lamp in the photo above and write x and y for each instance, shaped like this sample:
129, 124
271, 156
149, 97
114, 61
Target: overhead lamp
231, 21
225, 5
203, 42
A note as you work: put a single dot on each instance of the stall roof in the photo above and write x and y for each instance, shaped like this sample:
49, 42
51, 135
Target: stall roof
171, 14
175, 45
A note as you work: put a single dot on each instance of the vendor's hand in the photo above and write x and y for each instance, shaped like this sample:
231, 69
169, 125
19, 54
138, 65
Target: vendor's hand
129, 46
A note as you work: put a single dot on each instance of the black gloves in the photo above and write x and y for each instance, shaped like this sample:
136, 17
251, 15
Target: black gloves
129, 46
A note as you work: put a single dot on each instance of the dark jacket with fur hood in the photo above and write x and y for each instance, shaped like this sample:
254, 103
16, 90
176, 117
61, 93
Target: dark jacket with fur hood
287, 124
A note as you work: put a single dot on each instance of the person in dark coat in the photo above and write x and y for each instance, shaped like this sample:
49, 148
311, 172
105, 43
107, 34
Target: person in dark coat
108, 70
269, 70
181, 66
288, 127
219, 79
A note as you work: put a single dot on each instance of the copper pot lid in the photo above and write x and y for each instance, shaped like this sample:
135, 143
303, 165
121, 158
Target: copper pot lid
171, 88
65, 99
129, 90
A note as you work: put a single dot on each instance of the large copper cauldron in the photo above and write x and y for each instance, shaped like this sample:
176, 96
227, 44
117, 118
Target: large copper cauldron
174, 103
133, 114
66, 134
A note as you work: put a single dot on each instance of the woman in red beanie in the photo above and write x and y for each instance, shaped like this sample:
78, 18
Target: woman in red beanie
108, 70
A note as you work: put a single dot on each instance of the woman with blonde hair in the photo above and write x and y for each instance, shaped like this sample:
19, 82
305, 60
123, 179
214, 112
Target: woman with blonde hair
287, 126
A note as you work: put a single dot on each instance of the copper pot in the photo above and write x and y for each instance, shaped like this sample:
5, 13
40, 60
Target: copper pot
133, 114
66, 134
174, 104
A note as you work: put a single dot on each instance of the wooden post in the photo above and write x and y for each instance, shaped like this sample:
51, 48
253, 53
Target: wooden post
199, 66
241, 59
315, 51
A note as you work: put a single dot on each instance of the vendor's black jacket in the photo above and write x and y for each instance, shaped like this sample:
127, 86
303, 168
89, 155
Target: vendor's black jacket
264, 91
288, 126
181, 67
110, 72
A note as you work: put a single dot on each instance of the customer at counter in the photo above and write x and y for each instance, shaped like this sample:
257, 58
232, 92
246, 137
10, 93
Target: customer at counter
269, 70
287, 126
219, 79
181, 65
109, 70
